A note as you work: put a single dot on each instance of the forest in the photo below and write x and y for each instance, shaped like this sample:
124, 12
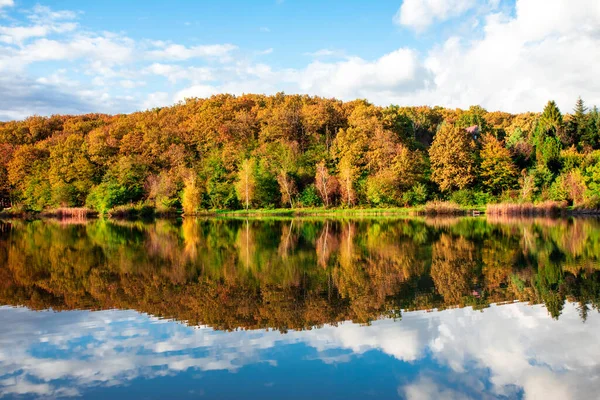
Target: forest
291, 151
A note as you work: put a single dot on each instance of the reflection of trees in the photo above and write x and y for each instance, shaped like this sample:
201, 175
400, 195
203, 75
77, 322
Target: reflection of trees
326, 244
296, 273
453, 267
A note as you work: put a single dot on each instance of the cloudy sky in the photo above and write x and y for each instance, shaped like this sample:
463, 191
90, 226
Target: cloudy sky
113, 56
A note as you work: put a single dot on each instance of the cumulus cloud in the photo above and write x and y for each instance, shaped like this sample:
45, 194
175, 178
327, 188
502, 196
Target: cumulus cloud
6, 3
427, 389
22, 97
355, 77
196, 91
542, 52
420, 14
513, 60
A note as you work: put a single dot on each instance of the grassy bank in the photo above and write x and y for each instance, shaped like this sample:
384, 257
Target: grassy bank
433, 208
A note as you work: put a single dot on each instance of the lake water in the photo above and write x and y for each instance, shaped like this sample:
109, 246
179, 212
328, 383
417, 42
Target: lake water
280, 308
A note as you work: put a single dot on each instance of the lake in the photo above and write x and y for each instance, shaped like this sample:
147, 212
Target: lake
410, 308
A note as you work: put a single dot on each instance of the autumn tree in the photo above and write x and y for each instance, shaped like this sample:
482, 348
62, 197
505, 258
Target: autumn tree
287, 187
6, 152
452, 157
497, 169
246, 183
346, 177
326, 184
191, 197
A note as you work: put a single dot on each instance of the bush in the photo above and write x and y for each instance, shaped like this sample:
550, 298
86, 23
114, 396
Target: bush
417, 195
310, 197
468, 197
381, 191
105, 196
131, 211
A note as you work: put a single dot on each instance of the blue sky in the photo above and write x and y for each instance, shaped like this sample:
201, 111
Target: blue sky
120, 56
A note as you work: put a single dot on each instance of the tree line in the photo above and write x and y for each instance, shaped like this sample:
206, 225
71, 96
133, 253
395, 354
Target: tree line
256, 151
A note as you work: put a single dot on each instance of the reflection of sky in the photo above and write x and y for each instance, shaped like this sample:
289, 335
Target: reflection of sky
503, 352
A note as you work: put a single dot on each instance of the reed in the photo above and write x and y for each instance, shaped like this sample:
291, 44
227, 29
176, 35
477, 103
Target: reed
547, 208
443, 208
75, 213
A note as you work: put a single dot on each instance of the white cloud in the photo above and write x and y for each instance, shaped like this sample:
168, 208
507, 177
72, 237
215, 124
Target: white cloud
265, 51
427, 389
41, 13
325, 53
354, 77
196, 91
177, 52
108, 49
420, 14
18, 34
130, 84
175, 73
156, 99
6, 3
544, 52
514, 60
45, 22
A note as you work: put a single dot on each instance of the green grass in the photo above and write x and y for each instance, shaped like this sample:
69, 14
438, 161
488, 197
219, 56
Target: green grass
321, 211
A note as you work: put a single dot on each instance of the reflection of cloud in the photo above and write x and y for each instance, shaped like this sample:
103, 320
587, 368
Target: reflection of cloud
513, 348
405, 343
426, 388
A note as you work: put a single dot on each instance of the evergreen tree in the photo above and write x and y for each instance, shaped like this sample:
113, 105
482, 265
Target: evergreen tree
551, 119
579, 124
591, 136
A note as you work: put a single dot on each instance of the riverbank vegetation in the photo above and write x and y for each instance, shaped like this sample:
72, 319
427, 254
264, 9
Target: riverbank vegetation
298, 152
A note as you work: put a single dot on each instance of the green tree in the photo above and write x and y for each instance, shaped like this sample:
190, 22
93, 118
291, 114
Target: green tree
591, 137
578, 126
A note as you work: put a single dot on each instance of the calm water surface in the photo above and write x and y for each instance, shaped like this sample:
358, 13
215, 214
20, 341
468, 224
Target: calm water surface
382, 308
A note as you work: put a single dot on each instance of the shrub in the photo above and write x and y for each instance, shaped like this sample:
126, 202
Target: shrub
417, 195
310, 197
468, 197
132, 211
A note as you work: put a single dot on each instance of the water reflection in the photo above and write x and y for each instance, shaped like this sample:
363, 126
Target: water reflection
353, 297
290, 274
509, 351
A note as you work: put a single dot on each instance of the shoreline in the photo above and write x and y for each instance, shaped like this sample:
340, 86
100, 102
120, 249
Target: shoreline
475, 211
